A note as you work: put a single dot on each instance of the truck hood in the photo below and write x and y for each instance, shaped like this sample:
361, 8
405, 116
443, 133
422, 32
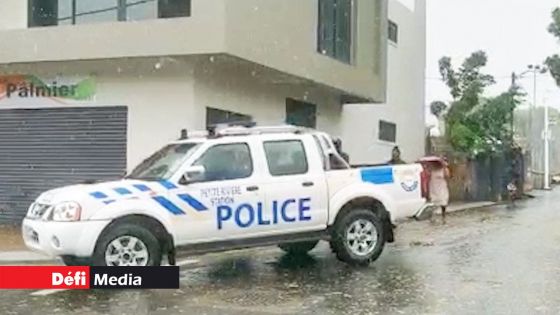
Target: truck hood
104, 192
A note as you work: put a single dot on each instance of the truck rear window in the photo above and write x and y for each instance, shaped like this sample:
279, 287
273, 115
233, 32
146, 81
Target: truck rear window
286, 157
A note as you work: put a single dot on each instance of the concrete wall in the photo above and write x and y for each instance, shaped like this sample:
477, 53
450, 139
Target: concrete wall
160, 102
277, 34
203, 32
251, 90
283, 35
13, 14
165, 95
405, 97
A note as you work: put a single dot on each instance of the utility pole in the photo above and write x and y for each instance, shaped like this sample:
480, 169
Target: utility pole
537, 69
546, 150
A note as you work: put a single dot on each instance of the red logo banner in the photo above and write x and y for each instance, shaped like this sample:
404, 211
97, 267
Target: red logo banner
44, 277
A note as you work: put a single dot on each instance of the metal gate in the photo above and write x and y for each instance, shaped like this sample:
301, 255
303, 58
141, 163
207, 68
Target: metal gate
41, 149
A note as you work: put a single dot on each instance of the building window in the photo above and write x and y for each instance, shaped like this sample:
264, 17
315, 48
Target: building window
216, 116
393, 32
300, 113
64, 12
336, 21
173, 8
285, 157
387, 131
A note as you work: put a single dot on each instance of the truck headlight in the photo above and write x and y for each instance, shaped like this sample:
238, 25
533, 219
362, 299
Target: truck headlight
67, 211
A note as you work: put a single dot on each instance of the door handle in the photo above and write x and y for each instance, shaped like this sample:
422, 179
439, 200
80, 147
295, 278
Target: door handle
307, 184
252, 188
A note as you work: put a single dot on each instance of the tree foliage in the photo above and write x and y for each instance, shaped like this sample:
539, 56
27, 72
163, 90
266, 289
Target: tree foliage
477, 125
553, 62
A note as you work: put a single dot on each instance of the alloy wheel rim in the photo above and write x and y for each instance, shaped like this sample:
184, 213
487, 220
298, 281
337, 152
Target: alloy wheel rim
126, 250
361, 237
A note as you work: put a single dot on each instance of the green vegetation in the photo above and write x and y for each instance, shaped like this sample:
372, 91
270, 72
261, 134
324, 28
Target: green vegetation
476, 125
553, 62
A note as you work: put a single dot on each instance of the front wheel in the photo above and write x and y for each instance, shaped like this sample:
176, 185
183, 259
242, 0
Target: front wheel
358, 237
127, 244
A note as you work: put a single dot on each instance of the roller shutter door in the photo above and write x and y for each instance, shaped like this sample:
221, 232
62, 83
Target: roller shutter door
41, 149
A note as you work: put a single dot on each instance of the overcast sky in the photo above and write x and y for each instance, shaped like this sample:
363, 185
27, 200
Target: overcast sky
512, 32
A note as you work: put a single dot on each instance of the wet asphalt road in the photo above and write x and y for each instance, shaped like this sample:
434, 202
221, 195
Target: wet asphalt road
490, 261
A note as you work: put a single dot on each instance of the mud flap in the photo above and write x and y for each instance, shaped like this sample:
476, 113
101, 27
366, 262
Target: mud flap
388, 227
170, 251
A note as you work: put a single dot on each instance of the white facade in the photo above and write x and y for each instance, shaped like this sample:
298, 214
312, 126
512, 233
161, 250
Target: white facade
405, 94
244, 58
138, 80
161, 94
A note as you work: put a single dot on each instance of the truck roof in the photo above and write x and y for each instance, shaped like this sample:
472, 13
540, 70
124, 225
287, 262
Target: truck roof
231, 131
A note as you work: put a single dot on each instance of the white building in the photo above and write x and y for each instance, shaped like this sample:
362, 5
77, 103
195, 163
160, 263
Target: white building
89, 88
370, 131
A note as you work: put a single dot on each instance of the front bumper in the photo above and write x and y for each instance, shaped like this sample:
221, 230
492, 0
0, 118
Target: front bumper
62, 238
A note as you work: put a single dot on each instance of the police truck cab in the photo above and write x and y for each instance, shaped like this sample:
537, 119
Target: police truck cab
233, 188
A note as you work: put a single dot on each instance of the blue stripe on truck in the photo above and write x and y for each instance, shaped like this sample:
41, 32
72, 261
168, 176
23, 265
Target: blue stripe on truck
378, 175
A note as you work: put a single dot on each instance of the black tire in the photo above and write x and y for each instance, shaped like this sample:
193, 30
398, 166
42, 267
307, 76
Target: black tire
76, 261
128, 229
339, 243
298, 248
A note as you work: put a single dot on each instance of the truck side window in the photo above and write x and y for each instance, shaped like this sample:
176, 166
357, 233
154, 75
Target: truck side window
285, 157
226, 162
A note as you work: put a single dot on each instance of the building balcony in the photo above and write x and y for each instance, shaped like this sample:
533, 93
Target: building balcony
280, 35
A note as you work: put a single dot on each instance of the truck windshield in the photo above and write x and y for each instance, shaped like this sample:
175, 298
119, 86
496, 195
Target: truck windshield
162, 164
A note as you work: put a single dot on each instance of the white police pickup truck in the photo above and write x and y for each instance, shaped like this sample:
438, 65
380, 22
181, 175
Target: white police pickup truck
235, 188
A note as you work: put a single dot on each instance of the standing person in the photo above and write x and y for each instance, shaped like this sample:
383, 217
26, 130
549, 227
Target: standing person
439, 190
338, 147
396, 156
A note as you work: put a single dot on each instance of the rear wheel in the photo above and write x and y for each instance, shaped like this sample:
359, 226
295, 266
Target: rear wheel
127, 244
358, 237
298, 248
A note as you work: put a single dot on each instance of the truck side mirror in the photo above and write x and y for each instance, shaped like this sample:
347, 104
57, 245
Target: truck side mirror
193, 174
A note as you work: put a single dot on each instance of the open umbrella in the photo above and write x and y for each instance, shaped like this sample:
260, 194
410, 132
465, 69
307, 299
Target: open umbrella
433, 159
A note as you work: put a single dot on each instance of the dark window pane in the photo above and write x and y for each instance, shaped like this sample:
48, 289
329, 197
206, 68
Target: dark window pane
343, 28
216, 116
285, 157
334, 32
387, 131
174, 8
300, 113
226, 162
53, 12
43, 12
326, 27
393, 32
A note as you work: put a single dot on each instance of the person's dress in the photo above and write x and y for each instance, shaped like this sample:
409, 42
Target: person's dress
439, 192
